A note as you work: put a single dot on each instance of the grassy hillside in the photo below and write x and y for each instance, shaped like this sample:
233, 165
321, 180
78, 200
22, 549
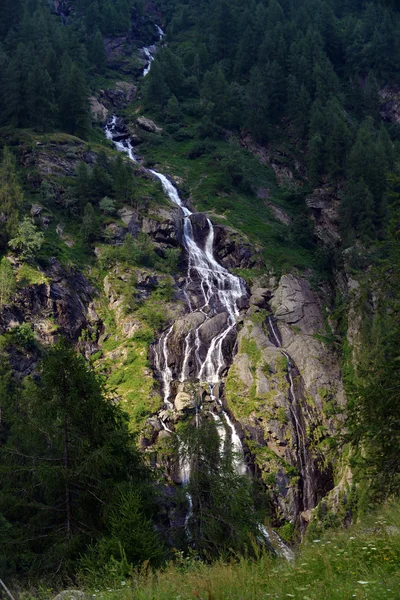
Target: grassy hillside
360, 562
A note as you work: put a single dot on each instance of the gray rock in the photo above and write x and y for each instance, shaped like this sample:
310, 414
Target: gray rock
260, 297
36, 209
211, 327
148, 125
120, 96
98, 111
295, 303
71, 595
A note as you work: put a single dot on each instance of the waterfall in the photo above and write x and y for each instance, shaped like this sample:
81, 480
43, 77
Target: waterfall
221, 293
149, 51
301, 438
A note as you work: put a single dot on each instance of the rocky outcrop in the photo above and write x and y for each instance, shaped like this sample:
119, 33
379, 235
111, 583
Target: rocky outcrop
61, 305
164, 226
324, 206
296, 304
148, 125
66, 298
122, 94
98, 111
232, 250
285, 387
390, 106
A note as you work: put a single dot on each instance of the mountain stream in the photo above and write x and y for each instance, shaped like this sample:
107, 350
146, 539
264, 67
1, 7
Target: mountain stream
213, 297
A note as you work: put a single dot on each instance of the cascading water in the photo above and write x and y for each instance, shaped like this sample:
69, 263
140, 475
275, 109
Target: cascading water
149, 52
221, 293
301, 438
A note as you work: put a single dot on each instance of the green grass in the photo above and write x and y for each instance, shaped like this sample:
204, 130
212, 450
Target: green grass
209, 186
30, 275
360, 562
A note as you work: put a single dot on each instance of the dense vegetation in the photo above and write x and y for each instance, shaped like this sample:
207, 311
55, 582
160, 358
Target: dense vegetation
302, 80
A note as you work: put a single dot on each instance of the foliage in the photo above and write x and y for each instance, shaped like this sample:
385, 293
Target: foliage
107, 205
374, 414
360, 561
68, 446
223, 519
11, 196
28, 240
24, 336
7, 282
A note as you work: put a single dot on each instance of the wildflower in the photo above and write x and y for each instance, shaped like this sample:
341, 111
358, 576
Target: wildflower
363, 582
316, 541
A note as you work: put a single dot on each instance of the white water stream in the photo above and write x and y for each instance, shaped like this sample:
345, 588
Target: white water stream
301, 439
221, 293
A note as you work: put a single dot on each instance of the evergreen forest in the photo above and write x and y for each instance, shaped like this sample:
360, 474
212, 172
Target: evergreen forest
199, 299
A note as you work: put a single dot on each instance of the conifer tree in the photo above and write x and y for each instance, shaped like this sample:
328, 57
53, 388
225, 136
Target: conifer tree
69, 448
97, 52
40, 98
11, 196
73, 102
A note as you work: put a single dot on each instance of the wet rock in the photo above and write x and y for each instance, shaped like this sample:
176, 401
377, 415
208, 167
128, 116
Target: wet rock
211, 327
148, 125
201, 228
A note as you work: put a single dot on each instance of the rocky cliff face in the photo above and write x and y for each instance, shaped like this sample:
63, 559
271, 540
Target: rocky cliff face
285, 387
63, 305
282, 383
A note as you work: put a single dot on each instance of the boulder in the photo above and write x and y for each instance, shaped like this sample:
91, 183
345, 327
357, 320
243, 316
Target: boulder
211, 327
71, 595
260, 297
36, 209
148, 125
182, 401
98, 111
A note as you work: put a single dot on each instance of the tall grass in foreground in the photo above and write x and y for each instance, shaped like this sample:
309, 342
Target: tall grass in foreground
360, 562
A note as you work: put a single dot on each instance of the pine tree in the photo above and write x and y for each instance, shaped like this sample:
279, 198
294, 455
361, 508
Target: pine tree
73, 102
11, 197
69, 449
156, 91
90, 224
40, 98
315, 159
97, 52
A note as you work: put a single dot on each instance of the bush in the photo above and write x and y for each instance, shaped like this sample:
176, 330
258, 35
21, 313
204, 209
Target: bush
199, 149
24, 336
28, 240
